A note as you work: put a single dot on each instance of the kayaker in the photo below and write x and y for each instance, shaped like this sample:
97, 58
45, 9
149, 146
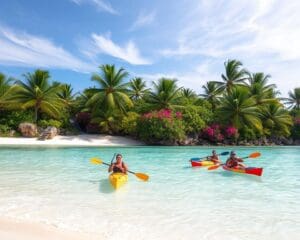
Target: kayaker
234, 162
214, 157
119, 166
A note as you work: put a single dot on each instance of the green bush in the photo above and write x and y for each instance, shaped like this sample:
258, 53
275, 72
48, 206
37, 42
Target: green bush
4, 129
13, 118
248, 134
50, 122
164, 125
129, 123
193, 122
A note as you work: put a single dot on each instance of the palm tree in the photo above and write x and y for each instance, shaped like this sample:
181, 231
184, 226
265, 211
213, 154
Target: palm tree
211, 93
4, 88
239, 109
165, 94
112, 93
276, 119
188, 93
294, 99
259, 88
234, 75
37, 93
137, 89
67, 95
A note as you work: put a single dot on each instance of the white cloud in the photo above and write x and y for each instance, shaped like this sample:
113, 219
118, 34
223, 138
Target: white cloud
129, 53
142, 20
263, 33
22, 49
100, 4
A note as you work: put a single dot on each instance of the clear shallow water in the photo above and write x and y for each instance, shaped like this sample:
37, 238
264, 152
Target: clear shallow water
59, 186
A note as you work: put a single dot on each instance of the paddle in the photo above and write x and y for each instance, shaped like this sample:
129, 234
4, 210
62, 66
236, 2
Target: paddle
198, 159
252, 155
141, 176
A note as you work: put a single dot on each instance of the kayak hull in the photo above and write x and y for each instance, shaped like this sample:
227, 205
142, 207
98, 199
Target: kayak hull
118, 180
202, 163
249, 170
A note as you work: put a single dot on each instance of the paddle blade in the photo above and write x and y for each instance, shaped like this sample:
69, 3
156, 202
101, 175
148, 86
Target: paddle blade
96, 161
224, 153
214, 167
254, 155
142, 176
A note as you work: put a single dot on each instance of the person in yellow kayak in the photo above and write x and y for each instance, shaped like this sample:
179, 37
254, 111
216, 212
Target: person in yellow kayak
119, 166
234, 162
214, 157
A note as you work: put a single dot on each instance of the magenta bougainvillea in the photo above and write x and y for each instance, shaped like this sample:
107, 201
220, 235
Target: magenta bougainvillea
230, 131
163, 114
217, 133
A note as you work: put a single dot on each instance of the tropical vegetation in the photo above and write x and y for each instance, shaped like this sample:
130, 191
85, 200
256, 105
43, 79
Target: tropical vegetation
240, 106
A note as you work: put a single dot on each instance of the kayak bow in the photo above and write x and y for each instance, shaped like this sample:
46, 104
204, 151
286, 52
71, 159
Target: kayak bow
248, 170
117, 180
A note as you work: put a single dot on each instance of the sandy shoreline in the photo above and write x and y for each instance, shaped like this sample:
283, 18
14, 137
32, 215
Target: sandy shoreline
83, 140
20, 230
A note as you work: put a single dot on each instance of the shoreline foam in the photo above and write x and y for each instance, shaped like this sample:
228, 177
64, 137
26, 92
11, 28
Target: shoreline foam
83, 140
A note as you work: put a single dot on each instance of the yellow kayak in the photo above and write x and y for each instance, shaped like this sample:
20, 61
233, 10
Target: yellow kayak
117, 180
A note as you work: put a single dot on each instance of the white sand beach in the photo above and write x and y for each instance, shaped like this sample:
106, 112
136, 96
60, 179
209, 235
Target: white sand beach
16, 230
83, 140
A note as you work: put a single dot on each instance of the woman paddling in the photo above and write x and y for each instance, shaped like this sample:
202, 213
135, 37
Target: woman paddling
234, 162
214, 157
119, 166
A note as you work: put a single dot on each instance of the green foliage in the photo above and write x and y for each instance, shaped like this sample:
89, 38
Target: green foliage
154, 128
112, 92
165, 94
195, 118
239, 109
4, 129
247, 133
129, 123
37, 93
276, 120
13, 118
50, 122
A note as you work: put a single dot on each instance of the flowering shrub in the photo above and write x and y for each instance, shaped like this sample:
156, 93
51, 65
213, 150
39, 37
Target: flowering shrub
230, 131
217, 133
163, 125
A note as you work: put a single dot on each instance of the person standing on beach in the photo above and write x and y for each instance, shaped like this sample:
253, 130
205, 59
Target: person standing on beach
119, 166
234, 162
214, 157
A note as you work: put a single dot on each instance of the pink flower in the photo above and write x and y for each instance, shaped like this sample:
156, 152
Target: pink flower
215, 126
297, 121
209, 131
230, 131
220, 137
179, 115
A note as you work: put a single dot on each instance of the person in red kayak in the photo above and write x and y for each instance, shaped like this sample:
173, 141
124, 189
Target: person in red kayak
234, 162
214, 157
119, 166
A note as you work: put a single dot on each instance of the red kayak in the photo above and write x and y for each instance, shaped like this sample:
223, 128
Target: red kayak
248, 170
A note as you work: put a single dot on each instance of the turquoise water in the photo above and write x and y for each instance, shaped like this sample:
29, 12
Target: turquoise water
59, 186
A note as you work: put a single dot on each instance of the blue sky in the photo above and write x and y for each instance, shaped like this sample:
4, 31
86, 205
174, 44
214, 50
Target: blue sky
188, 39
